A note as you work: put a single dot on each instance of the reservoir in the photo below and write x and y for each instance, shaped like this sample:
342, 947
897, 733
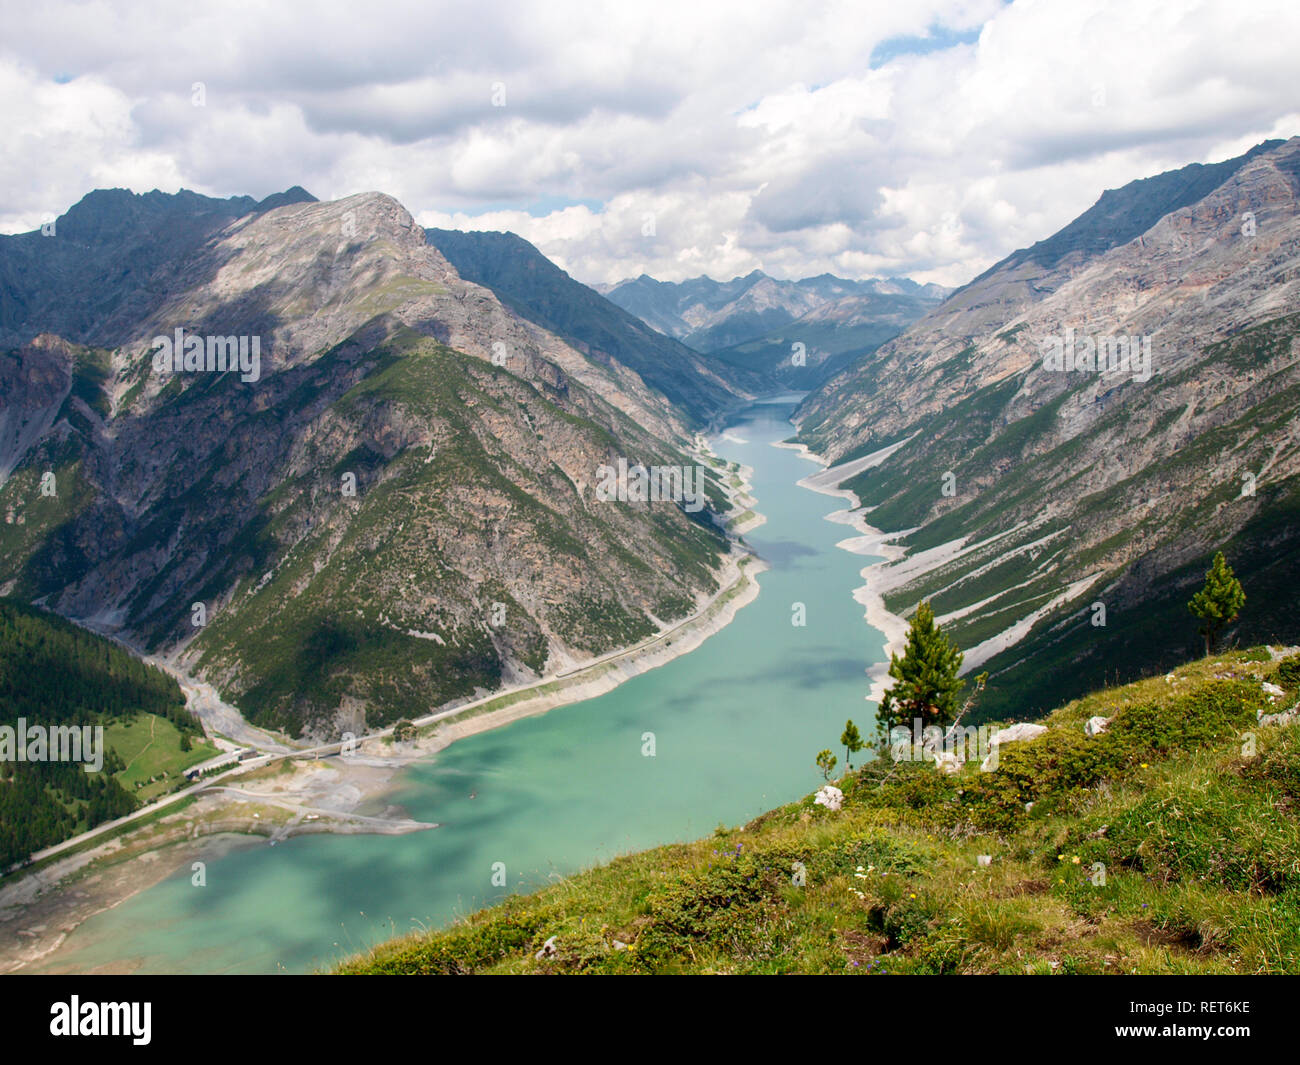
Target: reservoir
737, 724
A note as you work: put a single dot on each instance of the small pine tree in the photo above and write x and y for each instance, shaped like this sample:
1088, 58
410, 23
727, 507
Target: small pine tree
926, 684
852, 740
1219, 603
826, 763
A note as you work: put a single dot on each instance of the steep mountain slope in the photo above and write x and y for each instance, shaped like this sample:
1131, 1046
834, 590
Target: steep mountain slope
1123, 214
382, 518
538, 290
993, 301
1026, 495
712, 316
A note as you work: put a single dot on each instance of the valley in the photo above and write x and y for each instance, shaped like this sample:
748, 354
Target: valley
362, 501
530, 795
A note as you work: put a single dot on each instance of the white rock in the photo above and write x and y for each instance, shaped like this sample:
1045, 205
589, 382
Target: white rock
829, 796
984, 859
947, 762
1016, 733
548, 950
1272, 689
1284, 718
1096, 725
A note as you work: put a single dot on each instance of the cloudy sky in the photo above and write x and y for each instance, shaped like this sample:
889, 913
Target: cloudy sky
925, 138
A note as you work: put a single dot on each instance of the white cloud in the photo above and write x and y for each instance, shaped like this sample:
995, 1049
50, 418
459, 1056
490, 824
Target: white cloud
756, 134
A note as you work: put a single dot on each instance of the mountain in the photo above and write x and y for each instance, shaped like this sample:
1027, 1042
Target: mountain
712, 316
1060, 519
807, 351
393, 509
709, 315
1154, 846
88, 277
1122, 215
538, 290
754, 323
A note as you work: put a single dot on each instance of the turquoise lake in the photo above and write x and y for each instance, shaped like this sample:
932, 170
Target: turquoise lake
737, 725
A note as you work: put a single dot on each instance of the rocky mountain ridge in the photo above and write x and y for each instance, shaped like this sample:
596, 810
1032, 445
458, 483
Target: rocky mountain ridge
396, 512
1059, 518
538, 290
713, 316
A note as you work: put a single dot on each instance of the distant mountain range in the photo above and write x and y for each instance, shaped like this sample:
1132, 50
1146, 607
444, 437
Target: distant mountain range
396, 510
755, 322
1061, 518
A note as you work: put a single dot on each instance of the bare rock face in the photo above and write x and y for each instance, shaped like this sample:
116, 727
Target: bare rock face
95, 273
34, 381
1068, 511
395, 511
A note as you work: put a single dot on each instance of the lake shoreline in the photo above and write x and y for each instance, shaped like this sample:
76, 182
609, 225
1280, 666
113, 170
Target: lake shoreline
869, 541
39, 910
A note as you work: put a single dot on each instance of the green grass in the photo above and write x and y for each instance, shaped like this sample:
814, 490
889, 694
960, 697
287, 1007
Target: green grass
1182, 805
150, 748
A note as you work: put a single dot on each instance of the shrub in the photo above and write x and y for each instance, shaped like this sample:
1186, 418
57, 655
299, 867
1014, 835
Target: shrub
1213, 711
1288, 672
1063, 762
1051, 766
715, 904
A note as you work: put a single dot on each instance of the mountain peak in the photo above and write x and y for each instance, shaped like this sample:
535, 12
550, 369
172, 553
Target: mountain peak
110, 214
297, 194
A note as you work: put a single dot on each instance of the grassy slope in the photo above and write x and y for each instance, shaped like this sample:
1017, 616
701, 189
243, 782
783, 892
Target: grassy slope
153, 762
1201, 853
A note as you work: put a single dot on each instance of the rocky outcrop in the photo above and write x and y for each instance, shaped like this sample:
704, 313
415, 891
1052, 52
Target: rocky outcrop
92, 274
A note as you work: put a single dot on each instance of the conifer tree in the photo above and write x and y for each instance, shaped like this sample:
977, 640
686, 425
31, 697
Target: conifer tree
1219, 603
926, 684
852, 740
826, 763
